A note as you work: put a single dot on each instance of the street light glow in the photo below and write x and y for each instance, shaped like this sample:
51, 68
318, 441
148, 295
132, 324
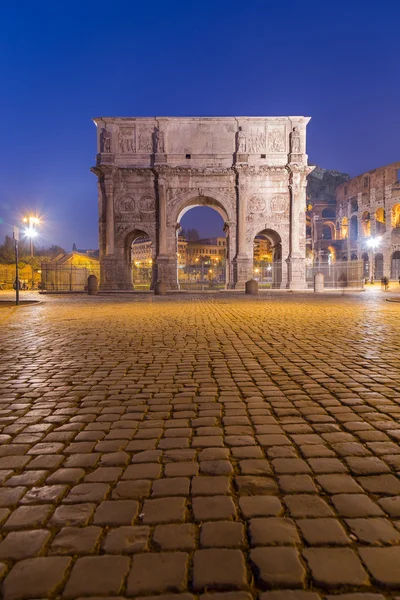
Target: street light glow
374, 242
30, 232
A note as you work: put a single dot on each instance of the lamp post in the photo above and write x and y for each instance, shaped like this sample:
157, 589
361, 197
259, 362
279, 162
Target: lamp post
31, 233
373, 243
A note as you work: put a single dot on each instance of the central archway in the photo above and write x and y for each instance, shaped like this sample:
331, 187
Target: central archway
205, 263
267, 258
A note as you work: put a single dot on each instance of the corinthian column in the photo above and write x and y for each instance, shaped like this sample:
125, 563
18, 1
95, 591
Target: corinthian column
162, 196
109, 192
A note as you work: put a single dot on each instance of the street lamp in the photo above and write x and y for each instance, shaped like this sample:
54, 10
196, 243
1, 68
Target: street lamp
373, 243
31, 232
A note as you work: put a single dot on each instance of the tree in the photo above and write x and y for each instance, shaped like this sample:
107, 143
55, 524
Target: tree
191, 235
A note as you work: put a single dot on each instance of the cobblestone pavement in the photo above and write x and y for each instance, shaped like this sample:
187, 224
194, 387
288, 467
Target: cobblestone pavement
215, 447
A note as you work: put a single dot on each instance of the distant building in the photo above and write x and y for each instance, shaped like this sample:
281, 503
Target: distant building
347, 217
189, 252
68, 272
213, 249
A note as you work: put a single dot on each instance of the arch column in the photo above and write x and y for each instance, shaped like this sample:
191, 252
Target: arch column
296, 275
111, 266
242, 261
166, 264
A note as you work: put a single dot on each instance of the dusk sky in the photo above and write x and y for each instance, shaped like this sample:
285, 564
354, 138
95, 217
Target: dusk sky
63, 63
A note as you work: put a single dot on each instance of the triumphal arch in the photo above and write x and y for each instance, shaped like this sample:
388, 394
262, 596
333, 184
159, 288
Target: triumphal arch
252, 170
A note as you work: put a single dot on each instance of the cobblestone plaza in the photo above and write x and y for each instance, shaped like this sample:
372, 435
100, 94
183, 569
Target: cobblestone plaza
212, 447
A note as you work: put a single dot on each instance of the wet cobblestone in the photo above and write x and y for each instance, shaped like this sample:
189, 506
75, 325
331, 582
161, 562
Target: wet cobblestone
200, 447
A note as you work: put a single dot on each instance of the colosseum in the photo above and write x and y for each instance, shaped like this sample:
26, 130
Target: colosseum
356, 219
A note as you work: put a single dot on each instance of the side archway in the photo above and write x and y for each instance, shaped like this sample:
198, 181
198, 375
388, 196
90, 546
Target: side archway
139, 256
267, 258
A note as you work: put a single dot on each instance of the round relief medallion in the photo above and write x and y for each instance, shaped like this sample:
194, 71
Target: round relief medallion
257, 204
278, 204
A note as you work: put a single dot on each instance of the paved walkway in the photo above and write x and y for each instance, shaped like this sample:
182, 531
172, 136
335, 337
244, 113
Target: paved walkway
215, 447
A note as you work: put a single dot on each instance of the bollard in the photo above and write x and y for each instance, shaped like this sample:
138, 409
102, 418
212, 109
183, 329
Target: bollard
318, 283
92, 285
252, 287
160, 288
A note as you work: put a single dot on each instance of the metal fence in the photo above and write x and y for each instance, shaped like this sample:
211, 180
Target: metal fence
202, 277
338, 275
268, 274
67, 278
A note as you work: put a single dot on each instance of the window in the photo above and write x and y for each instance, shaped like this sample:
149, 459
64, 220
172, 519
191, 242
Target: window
188, 156
366, 181
263, 156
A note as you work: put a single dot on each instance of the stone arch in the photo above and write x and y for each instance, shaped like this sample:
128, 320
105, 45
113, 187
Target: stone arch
378, 265
328, 213
344, 230
135, 233
328, 231
332, 253
223, 206
275, 267
396, 216
395, 265
354, 228
366, 223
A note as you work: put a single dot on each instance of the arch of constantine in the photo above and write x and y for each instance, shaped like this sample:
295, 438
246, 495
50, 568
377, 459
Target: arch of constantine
252, 170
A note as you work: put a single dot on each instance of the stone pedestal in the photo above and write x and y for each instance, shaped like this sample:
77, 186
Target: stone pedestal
167, 271
252, 287
160, 288
242, 268
318, 283
296, 273
92, 285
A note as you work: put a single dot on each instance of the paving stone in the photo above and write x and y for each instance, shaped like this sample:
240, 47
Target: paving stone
335, 567
72, 515
222, 534
297, 483
219, 569
273, 531
18, 545
76, 541
374, 531
291, 595
213, 508
260, 506
383, 564
251, 484
116, 512
277, 567
210, 486
171, 486
132, 490
356, 505
39, 577
338, 483
163, 510
101, 575
216, 467
165, 571
307, 505
356, 596
126, 540
175, 537
391, 506
28, 517
143, 471
380, 484
323, 532
87, 492
327, 465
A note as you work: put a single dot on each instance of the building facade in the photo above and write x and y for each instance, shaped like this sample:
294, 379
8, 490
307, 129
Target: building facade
152, 170
368, 215
356, 219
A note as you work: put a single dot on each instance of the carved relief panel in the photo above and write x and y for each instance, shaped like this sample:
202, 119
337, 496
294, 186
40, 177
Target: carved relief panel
126, 140
276, 139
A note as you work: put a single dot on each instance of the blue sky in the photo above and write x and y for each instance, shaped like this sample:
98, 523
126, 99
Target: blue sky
63, 63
